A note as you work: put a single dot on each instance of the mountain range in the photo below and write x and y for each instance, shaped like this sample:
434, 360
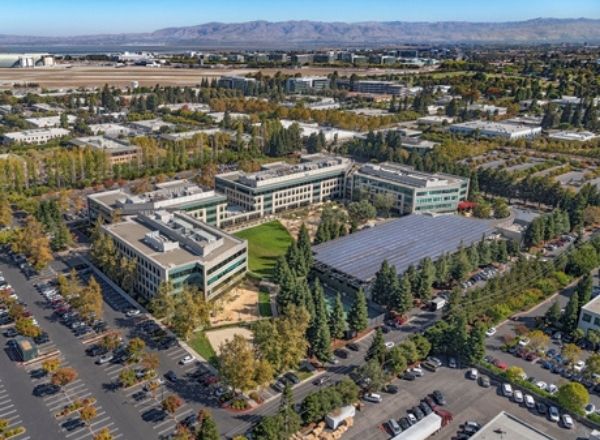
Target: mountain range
264, 34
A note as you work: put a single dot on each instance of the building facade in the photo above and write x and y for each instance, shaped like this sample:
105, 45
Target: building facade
176, 248
410, 191
280, 186
589, 317
36, 136
117, 151
305, 84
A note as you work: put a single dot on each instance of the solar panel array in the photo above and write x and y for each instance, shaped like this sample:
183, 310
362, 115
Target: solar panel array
401, 242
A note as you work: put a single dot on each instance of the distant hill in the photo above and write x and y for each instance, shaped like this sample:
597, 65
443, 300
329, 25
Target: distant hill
314, 34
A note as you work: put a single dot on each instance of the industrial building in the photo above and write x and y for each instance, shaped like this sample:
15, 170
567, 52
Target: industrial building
496, 130
351, 262
280, 186
36, 136
175, 247
412, 191
181, 195
305, 84
118, 152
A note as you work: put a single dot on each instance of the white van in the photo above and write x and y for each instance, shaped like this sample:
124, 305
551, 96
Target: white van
507, 390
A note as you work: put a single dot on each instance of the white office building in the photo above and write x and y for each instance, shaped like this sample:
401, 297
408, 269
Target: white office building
496, 130
35, 136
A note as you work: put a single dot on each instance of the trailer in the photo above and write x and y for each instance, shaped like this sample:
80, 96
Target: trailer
336, 418
427, 426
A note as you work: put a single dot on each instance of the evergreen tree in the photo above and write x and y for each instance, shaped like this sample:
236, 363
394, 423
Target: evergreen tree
290, 420
287, 288
461, 266
584, 291
384, 279
304, 246
476, 344
319, 336
337, 319
426, 279
377, 349
208, 430
552, 316
442, 270
358, 318
570, 317
401, 296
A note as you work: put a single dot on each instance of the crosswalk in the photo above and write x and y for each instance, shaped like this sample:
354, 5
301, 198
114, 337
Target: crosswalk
10, 414
74, 391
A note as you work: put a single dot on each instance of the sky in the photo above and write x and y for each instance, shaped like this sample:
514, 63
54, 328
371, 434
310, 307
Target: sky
84, 17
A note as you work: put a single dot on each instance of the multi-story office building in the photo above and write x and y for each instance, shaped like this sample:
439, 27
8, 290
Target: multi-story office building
302, 58
236, 82
411, 191
35, 136
181, 195
304, 84
589, 317
280, 186
117, 151
177, 248
379, 87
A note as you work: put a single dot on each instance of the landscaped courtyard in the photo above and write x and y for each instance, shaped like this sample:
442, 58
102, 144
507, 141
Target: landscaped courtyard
266, 242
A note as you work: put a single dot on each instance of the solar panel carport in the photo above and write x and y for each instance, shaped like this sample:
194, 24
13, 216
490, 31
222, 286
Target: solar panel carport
356, 258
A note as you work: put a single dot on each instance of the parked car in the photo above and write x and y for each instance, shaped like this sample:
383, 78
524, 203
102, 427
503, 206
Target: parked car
373, 397
186, 360
321, 380
409, 376
104, 359
391, 389
417, 371
472, 373
567, 421
529, 401
452, 363
491, 332
518, 396
553, 414
507, 390
292, 378
484, 381
341, 353
132, 312
73, 424
171, 376
394, 427
541, 408
590, 408
404, 423
438, 397
353, 346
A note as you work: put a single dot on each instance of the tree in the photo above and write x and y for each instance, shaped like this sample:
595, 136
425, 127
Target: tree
6, 213
150, 361
396, 361
90, 301
592, 367
514, 373
573, 397
475, 348
191, 312
162, 305
570, 317
538, 340
127, 377
591, 215
422, 344
372, 375
570, 353
63, 376
401, 296
304, 245
208, 430
382, 286
290, 420
584, 290
460, 265
358, 318
103, 434
337, 319
171, 403
26, 327
409, 351
87, 414
135, 347
384, 202
361, 211
51, 365
319, 336
237, 363
111, 340
377, 350
552, 315
501, 209
425, 279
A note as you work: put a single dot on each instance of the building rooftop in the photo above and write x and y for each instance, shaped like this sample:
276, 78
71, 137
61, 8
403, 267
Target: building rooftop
402, 242
277, 172
152, 124
173, 239
593, 306
110, 129
18, 135
508, 427
109, 144
579, 136
49, 121
490, 126
408, 176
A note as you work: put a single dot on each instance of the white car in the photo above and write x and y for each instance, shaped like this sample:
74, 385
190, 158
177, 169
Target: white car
579, 366
518, 396
131, 313
389, 345
412, 418
491, 332
186, 360
541, 385
552, 389
417, 371
472, 373
507, 390
567, 421
529, 401
524, 342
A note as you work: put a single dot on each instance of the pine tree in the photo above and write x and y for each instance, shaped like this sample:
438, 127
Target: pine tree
290, 420
426, 278
377, 349
337, 319
476, 344
319, 336
208, 430
442, 270
569, 319
383, 284
584, 291
304, 246
552, 316
358, 318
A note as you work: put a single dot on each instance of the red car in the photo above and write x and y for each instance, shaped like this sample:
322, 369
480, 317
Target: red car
500, 364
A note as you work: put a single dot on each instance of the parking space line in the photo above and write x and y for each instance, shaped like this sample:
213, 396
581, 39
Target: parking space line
163, 423
7, 413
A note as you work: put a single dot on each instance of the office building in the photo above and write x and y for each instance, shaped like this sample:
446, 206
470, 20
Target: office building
151, 126
489, 109
589, 317
351, 262
496, 130
50, 121
435, 120
280, 186
411, 191
112, 130
177, 248
180, 195
505, 426
36, 136
236, 82
305, 84
379, 87
572, 136
117, 151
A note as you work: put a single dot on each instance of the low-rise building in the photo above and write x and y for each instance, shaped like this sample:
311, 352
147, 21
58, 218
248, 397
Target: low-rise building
489, 109
505, 426
50, 121
435, 120
177, 248
411, 191
181, 195
36, 136
112, 130
496, 130
151, 125
280, 186
305, 84
379, 87
589, 317
572, 136
118, 151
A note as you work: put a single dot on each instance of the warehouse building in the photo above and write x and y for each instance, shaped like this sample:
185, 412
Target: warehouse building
280, 186
175, 247
181, 195
351, 262
411, 191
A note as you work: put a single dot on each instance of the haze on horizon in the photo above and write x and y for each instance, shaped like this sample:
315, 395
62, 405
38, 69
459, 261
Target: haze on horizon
67, 18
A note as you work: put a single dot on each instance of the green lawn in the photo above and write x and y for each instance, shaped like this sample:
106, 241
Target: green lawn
199, 342
264, 304
266, 242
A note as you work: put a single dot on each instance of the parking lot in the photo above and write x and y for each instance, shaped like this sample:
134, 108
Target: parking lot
466, 400
10, 413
